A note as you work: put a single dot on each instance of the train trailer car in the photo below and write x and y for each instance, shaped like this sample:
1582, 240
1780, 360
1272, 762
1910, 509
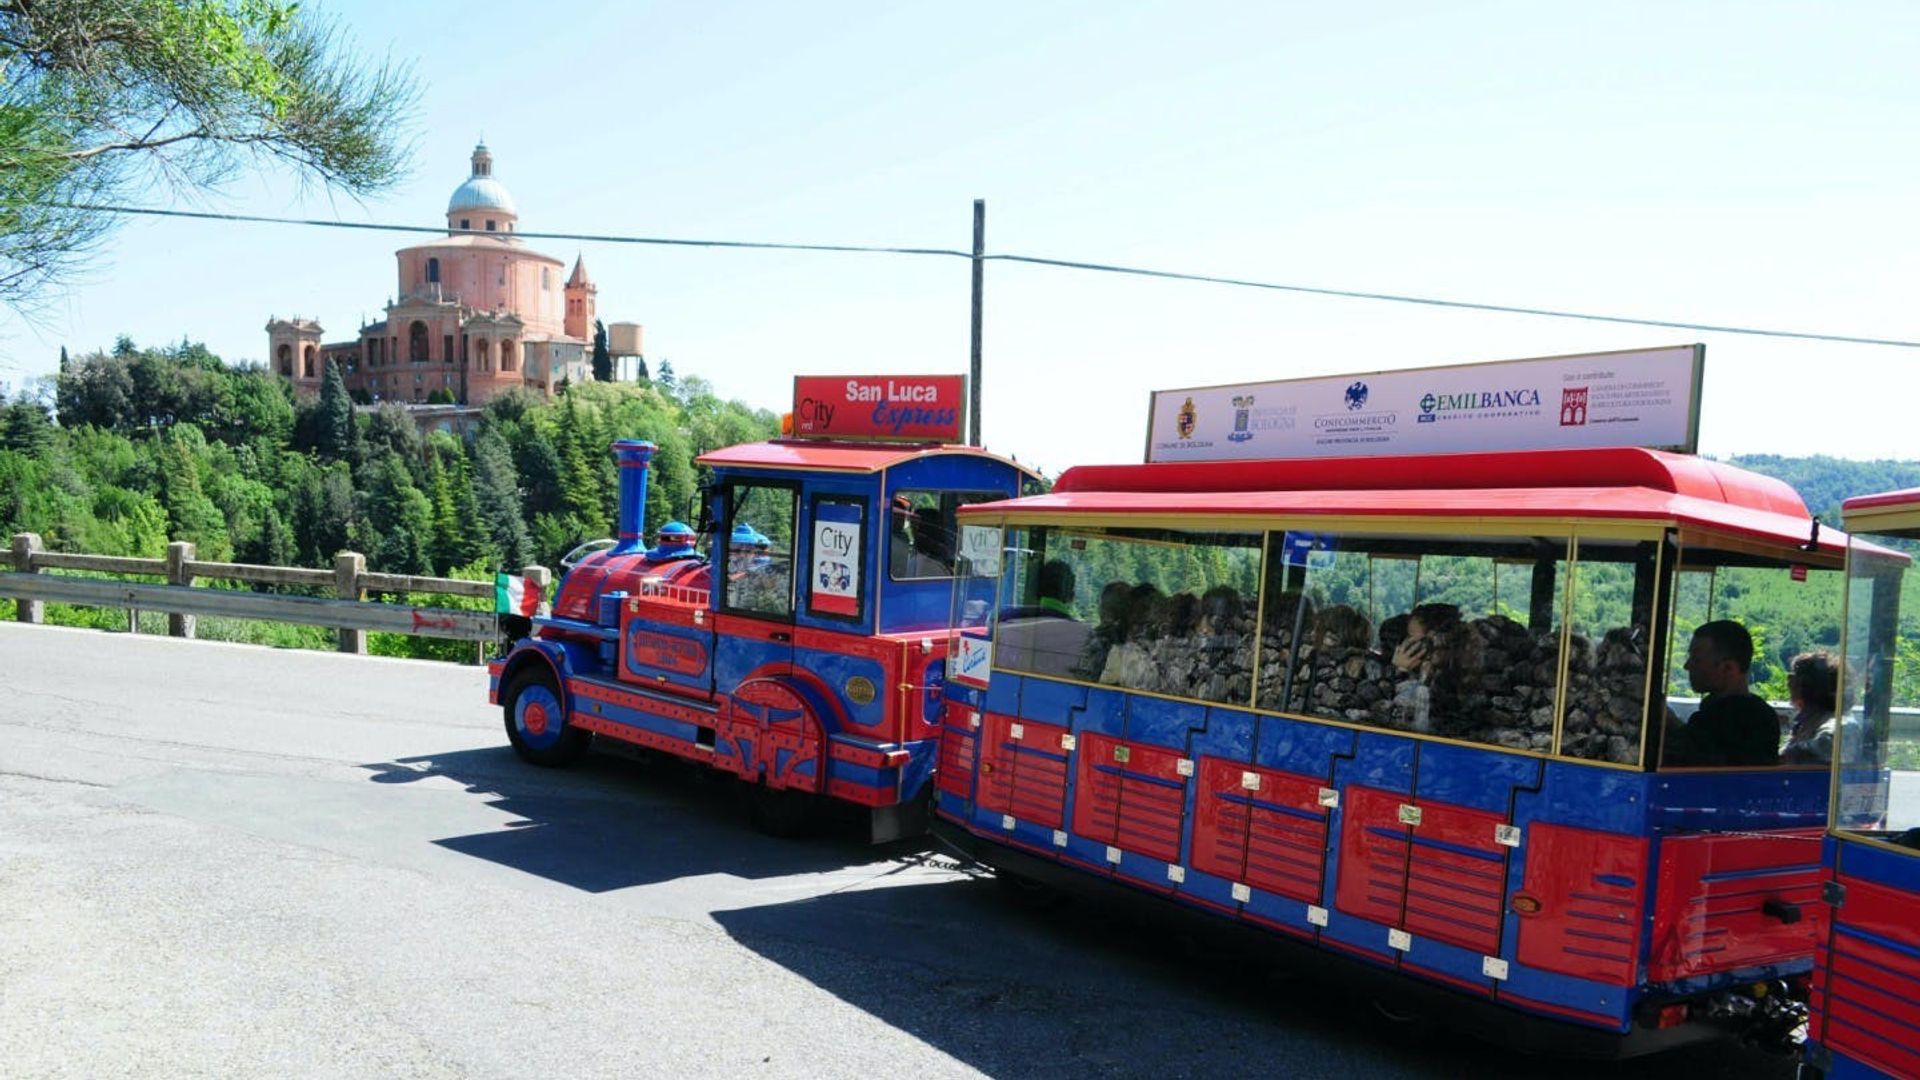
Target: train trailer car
803, 652
1866, 981
1424, 721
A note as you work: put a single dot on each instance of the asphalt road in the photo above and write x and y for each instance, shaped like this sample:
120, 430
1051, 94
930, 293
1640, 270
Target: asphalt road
224, 860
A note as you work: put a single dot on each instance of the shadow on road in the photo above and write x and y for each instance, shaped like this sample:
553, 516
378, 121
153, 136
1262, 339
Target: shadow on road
613, 822
1083, 990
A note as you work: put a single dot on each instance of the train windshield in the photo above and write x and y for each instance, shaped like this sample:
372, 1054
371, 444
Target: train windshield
1877, 738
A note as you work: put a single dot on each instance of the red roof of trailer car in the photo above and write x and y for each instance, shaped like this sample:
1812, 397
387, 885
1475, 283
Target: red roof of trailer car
837, 456
1904, 497
1618, 483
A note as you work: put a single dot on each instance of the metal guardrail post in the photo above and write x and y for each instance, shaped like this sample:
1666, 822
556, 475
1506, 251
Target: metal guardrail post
348, 566
179, 554
24, 545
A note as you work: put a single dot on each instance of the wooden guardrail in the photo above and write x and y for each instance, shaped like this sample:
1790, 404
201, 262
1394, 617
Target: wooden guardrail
348, 610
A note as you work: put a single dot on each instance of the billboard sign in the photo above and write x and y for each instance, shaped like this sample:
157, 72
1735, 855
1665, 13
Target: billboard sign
908, 408
1641, 397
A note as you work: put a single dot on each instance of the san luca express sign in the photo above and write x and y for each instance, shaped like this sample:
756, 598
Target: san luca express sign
1641, 397
911, 408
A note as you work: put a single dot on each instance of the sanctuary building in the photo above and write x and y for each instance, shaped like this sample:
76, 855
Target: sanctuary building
476, 312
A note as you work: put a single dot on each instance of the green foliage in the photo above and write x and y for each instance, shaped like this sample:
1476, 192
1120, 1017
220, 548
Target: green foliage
335, 435
153, 445
105, 99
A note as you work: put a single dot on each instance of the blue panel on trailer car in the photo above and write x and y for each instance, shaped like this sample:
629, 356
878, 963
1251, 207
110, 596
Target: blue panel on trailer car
1567, 997
1466, 776
1228, 734
1105, 713
1298, 747
1050, 702
1447, 964
1607, 800
1381, 761
1003, 693
1159, 722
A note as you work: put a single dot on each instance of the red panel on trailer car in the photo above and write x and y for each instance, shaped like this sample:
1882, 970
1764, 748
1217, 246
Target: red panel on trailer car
1262, 827
1711, 908
1373, 855
1456, 877
1130, 796
1579, 905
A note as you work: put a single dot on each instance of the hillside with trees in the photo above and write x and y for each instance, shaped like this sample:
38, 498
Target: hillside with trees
134, 447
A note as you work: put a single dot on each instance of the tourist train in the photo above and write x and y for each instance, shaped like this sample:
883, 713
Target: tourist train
1866, 979
1423, 719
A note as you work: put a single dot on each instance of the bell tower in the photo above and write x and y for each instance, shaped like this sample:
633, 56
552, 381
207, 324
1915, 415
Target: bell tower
581, 293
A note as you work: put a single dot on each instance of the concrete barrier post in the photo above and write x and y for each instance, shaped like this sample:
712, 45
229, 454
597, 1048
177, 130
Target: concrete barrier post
24, 545
543, 577
179, 554
348, 567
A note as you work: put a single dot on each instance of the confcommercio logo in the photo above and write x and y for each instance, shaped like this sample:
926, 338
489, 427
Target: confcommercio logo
1486, 403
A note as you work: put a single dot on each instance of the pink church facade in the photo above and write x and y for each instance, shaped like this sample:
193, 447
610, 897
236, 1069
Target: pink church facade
475, 313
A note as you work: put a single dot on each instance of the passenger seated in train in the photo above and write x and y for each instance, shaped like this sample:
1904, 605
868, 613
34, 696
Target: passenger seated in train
1732, 727
1110, 631
1182, 645
1813, 685
1046, 638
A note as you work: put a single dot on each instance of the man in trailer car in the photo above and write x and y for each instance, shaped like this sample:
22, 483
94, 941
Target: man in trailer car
1732, 726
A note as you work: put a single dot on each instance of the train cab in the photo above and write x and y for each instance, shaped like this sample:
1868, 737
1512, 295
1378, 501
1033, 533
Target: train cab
801, 647
1866, 986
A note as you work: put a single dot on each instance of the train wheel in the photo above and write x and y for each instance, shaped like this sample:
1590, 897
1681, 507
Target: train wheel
536, 721
782, 812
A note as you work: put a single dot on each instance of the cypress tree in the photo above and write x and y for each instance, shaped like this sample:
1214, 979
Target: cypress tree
602, 360
335, 437
497, 498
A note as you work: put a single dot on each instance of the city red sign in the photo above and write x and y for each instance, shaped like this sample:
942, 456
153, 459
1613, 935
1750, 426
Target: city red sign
914, 408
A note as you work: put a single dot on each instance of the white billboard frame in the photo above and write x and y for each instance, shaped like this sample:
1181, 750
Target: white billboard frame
1293, 393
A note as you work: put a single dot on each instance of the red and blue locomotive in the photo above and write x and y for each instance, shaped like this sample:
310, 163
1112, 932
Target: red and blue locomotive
803, 652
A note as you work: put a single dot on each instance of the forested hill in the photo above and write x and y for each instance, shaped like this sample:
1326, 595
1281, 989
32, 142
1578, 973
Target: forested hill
126, 450
1825, 482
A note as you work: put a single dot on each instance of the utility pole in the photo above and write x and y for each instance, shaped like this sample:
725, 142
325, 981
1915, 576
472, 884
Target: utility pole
973, 382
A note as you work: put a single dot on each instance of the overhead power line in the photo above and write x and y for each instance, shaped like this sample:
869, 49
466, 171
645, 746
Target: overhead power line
1035, 260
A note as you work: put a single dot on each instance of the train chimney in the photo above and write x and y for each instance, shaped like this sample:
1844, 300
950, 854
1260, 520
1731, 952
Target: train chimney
632, 456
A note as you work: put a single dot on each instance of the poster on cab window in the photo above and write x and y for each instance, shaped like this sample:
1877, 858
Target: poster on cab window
1643, 397
835, 581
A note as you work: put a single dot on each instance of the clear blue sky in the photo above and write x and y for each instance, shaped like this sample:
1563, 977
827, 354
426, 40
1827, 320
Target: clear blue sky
1745, 163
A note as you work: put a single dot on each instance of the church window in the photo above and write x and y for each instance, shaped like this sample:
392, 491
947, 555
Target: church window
490, 227
307, 363
417, 342
466, 223
433, 271
446, 349
506, 356
286, 361
546, 279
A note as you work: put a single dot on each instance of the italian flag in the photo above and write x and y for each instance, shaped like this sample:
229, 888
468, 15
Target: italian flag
514, 595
